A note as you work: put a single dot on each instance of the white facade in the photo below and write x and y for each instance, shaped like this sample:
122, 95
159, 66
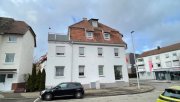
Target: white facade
23, 49
168, 62
72, 60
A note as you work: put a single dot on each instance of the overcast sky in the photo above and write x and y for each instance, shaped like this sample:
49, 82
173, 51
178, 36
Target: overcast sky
155, 22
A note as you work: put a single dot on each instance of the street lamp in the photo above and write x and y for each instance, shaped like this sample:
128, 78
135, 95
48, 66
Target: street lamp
135, 60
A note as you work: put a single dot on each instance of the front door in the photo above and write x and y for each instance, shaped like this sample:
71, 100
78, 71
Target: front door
118, 72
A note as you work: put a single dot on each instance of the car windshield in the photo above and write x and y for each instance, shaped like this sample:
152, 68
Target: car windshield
172, 93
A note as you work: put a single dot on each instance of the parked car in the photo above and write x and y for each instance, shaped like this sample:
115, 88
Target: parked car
171, 94
63, 89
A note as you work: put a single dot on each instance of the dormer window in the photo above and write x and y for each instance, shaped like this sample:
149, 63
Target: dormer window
94, 24
89, 35
106, 36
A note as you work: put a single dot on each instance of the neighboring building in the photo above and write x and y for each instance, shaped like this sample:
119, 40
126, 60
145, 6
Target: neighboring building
92, 53
41, 63
131, 63
17, 42
160, 64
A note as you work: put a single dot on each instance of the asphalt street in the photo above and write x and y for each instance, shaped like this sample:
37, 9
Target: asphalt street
143, 97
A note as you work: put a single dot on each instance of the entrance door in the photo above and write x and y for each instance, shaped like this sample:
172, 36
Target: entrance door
118, 72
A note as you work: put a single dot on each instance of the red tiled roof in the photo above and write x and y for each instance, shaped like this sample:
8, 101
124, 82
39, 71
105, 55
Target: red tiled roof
10, 26
161, 50
77, 33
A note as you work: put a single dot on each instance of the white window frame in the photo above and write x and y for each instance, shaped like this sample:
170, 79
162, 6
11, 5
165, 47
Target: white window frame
167, 55
108, 37
100, 54
87, 35
174, 54
60, 74
116, 52
168, 64
12, 60
157, 57
60, 52
99, 68
81, 66
13, 37
95, 23
83, 54
176, 63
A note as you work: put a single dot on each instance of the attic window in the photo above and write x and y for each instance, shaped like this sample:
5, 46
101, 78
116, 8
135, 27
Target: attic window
94, 23
89, 35
106, 36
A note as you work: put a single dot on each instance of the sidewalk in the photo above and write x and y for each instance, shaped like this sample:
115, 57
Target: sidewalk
91, 92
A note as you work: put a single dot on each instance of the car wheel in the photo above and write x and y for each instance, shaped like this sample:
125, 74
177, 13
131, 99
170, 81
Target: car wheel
48, 97
78, 95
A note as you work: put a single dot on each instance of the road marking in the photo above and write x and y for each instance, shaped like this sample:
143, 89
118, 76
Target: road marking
36, 100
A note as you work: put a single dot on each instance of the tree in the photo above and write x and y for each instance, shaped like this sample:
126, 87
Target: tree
43, 79
33, 77
29, 84
26, 77
38, 80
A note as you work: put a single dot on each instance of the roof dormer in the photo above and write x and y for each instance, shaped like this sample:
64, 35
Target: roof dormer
94, 22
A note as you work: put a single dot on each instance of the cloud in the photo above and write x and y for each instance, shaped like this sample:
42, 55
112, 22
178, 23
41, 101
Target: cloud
155, 22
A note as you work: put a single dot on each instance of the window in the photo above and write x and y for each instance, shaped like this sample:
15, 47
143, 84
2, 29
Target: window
168, 64
81, 51
94, 23
106, 36
59, 71
10, 76
116, 52
60, 50
12, 38
167, 55
63, 86
158, 64
101, 72
157, 57
100, 51
118, 72
174, 54
89, 35
140, 60
9, 57
81, 70
2, 78
172, 93
176, 63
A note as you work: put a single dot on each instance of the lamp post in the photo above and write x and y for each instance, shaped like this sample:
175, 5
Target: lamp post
135, 59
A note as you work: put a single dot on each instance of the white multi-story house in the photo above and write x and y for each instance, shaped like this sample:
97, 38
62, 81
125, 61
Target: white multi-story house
160, 64
91, 53
17, 42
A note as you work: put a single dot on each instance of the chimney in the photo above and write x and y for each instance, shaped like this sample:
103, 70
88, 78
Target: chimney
158, 47
84, 18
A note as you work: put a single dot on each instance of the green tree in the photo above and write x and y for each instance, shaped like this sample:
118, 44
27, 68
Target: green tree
33, 77
29, 84
43, 79
38, 80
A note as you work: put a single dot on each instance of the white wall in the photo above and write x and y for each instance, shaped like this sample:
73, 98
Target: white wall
53, 60
23, 49
26, 58
8, 47
91, 61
